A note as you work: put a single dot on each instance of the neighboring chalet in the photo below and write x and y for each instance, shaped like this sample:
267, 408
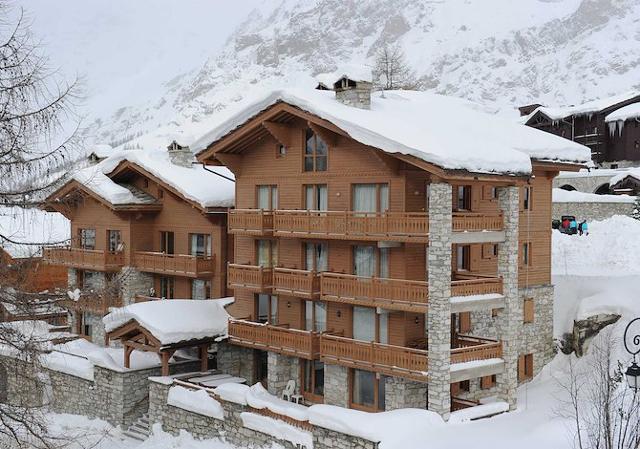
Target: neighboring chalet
610, 127
145, 225
385, 257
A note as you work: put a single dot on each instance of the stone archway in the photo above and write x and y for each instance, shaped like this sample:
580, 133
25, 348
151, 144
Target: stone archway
568, 187
603, 189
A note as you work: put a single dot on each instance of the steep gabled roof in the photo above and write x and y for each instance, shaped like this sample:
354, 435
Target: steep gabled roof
447, 132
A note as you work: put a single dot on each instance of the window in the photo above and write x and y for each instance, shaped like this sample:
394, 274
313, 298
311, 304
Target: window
200, 245
267, 308
166, 287
315, 316
281, 150
526, 253
313, 379
145, 183
529, 310
464, 385
489, 251
316, 197
267, 253
488, 382
200, 289
525, 367
527, 198
370, 324
87, 326
370, 198
167, 242
114, 239
489, 193
463, 198
315, 152
267, 197
87, 238
369, 261
463, 257
316, 257
494, 313
160, 193
367, 390
90, 279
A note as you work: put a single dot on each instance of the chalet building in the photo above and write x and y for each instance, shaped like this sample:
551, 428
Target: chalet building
383, 257
144, 225
610, 127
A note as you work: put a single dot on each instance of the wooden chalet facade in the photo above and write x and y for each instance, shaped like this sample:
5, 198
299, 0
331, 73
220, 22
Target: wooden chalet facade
613, 143
367, 275
163, 244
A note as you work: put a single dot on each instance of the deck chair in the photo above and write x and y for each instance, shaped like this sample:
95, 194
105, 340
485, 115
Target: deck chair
289, 390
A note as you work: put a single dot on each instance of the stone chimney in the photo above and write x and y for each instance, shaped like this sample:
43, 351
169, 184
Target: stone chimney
180, 155
352, 92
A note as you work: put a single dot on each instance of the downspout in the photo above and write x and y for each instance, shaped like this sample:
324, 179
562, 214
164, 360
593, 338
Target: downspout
214, 172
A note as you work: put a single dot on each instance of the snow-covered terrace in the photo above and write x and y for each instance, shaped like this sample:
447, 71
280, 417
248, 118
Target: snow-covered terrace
448, 132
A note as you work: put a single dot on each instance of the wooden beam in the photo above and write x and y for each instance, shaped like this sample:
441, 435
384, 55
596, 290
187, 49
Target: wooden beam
284, 134
204, 357
231, 161
165, 363
127, 355
328, 136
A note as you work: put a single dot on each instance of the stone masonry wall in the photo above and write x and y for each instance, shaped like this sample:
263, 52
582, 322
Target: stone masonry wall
281, 369
134, 282
591, 211
404, 393
336, 385
174, 419
237, 361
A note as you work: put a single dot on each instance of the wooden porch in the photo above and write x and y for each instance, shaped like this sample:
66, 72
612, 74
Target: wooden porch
85, 259
252, 277
173, 264
280, 339
469, 349
468, 284
250, 222
299, 283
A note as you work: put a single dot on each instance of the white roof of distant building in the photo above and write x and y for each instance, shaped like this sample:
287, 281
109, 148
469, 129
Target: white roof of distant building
590, 107
353, 72
448, 132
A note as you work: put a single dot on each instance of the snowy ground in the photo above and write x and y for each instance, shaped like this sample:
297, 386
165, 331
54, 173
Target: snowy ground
581, 290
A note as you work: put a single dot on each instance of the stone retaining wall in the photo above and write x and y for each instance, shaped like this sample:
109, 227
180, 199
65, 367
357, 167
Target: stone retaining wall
174, 419
591, 211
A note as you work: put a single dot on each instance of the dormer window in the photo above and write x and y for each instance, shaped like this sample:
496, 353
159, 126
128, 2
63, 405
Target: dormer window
315, 152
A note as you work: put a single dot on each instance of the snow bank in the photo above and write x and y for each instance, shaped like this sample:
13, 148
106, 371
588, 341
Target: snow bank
259, 398
423, 125
566, 196
277, 429
479, 411
197, 401
233, 392
31, 225
470, 298
474, 364
612, 248
175, 320
69, 364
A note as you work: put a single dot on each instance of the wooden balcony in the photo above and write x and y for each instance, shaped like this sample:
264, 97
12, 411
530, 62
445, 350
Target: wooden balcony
94, 303
85, 259
388, 226
473, 222
469, 349
300, 283
392, 294
173, 264
280, 339
250, 222
252, 277
385, 359
475, 284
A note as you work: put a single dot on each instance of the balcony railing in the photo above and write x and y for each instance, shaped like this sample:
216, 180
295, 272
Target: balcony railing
469, 349
250, 221
293, 342
173, 264
93, 303
252, 277
88, 259
386, 359
473, 222
396, 226
300, 283
475, 284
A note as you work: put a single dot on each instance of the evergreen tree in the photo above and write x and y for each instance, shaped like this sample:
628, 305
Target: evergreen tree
635, 213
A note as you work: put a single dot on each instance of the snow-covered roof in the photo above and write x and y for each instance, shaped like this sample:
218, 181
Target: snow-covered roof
590, 107
101, 151
573, 196
193, 183
625, 113
175, 320
631, 172
29, 226
448, 132
353, 72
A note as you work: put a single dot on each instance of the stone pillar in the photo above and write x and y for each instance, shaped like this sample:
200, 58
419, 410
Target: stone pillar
404, 393
237, 361
134, 282
439, 313
336, 385
280, 370
72, 278
510, 318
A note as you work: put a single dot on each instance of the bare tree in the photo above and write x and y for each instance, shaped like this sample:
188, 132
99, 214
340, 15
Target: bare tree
605, 413
391, 70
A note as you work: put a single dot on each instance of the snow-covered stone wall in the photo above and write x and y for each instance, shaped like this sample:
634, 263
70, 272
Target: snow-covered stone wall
591, 211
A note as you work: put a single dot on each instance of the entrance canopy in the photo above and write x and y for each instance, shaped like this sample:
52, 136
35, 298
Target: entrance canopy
164, 326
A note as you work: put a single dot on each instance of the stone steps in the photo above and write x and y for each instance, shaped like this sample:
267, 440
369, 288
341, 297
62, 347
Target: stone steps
139, 430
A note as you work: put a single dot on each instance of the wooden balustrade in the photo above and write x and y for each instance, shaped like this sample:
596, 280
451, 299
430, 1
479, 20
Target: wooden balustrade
250, 221
293, 342
173, 264
90, 259
474, 222
252, 277
385, 359
475, 285
395, 226
95, 303
487, 349
300, 283
392, 294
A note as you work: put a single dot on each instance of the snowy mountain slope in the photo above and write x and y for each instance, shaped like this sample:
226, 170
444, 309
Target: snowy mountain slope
500, 53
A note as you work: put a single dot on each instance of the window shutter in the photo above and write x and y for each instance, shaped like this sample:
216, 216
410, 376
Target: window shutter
529, 310
486, 382
521, 368
465, 322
